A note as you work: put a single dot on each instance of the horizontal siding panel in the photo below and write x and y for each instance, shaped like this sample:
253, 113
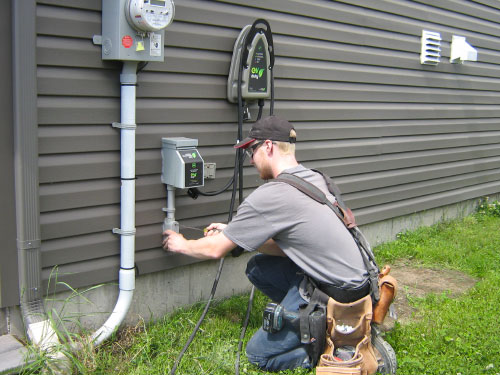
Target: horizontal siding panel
294, 25
73, 167
341, 72
321, 111
82, 138
155, 85
366, 182
330, 51
489, 3
104, 270
74, 23
107, 191
105, 244
68, 110
359, 165
78, 4
77, 82
410, 206
424, 187
322, 130
468, 8
405, 22
348, 92
88, 220
60, 51
64, 110
68, 195
428, 14
62, 196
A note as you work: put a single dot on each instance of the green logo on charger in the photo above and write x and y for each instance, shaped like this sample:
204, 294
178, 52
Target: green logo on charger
193, 154
258, 71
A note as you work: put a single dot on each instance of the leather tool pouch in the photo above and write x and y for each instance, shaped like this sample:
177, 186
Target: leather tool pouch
357, 316
388, 287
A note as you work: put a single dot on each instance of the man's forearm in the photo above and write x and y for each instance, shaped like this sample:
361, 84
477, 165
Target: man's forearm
211, 247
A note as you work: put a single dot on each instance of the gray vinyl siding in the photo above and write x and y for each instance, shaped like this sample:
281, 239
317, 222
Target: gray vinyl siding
397, 136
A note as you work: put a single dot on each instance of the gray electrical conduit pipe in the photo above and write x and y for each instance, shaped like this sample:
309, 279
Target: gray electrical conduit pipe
128, 81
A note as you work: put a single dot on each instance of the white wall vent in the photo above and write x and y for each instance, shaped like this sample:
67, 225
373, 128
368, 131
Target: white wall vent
431, 48
461, 50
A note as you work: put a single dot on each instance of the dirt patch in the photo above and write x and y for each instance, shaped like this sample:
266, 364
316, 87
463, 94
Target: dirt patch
417, 282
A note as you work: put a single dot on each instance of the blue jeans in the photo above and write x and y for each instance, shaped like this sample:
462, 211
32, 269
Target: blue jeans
279, 279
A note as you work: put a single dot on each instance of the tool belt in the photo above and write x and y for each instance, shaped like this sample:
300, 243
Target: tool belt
348, 326
324, 320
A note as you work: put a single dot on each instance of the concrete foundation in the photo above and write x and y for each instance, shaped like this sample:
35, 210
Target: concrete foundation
160, 293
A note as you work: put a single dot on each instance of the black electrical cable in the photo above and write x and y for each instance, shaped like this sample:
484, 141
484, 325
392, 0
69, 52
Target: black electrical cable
223, 189
261, 106
244, 330
141, 66
271, 107
202, 317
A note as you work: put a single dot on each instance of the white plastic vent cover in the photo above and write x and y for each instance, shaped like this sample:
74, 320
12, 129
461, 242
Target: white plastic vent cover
431, 48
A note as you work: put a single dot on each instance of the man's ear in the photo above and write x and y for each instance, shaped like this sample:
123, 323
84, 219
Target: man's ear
269, 146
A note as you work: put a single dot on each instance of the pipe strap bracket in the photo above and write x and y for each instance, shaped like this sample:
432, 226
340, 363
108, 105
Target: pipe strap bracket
29, 244
124, 232
123, 126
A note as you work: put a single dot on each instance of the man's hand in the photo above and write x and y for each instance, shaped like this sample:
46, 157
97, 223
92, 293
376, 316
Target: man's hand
174, 242
213, 246
214, 228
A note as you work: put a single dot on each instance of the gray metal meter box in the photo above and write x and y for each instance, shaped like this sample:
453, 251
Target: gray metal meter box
122, 41
182, 164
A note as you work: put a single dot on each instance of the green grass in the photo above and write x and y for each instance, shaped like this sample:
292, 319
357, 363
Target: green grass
454, 336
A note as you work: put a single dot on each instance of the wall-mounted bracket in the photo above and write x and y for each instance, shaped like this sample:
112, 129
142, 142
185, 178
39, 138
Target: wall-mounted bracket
124, 232
119, 125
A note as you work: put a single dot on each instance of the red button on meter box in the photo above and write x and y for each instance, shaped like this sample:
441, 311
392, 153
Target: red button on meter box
127, 41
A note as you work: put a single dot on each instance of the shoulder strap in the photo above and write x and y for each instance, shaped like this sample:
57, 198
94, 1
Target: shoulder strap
340, 209
345, 215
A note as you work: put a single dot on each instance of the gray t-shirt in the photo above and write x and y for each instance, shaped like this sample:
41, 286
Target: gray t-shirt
309, 233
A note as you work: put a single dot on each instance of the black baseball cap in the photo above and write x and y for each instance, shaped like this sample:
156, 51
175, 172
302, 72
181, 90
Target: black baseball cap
273, 128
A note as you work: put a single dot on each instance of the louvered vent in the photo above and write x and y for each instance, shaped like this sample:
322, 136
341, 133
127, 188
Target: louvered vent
431, 48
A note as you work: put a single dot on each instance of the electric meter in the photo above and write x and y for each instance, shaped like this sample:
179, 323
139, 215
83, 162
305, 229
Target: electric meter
134, 30
149, 15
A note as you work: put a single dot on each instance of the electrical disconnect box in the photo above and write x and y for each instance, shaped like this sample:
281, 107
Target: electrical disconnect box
133, 30
182, 164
